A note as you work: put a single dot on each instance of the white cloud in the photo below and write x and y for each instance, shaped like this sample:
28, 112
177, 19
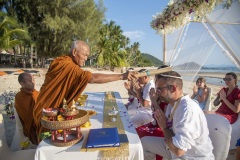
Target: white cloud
134, 34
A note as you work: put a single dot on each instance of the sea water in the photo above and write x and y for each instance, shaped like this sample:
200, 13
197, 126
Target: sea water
218, 81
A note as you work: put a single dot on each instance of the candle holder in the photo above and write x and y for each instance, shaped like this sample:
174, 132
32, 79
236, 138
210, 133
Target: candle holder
113, 114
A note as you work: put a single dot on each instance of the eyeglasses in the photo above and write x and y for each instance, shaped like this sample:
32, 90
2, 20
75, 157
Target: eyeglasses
160, 89
227, 79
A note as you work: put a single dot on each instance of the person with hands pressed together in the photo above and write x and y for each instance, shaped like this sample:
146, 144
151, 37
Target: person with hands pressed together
200, 92
229, 98
186, 134
143, 114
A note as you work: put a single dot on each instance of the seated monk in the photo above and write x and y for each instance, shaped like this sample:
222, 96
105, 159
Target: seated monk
66, 80
24, 103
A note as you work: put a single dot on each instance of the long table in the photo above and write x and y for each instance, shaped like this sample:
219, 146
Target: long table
95, 101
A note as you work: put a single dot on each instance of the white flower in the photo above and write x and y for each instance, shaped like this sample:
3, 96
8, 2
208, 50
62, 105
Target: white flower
176, 14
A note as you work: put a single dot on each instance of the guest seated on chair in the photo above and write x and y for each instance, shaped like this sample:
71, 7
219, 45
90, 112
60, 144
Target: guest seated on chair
24, 103
229, 98
186, 134
200, 92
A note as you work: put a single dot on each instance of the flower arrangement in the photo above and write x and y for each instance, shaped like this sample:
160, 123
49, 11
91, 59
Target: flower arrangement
179, 13
9, 100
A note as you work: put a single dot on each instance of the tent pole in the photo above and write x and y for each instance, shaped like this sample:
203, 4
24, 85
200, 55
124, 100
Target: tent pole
164, 49
224, 42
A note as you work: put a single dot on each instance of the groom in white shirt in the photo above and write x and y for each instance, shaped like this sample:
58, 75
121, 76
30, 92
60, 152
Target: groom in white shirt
186, 134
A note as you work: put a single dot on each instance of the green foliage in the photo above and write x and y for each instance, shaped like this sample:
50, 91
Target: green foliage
53, 25
110, 49
155, 61
10, 32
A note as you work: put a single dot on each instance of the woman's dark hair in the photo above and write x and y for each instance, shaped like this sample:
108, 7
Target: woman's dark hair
234, 75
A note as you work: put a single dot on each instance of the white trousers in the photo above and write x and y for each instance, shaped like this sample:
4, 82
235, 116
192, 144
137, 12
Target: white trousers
154, 145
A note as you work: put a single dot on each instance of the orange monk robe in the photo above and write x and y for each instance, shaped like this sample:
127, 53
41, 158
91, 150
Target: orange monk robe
64, 79
24, 103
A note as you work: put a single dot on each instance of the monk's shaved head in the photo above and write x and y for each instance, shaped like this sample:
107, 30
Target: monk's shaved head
79, 52
78, 45
23, 76
27, 82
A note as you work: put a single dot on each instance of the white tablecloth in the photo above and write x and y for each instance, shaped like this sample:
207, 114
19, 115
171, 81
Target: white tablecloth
95, 101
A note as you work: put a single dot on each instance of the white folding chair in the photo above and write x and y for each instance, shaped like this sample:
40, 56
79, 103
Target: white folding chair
220, 134
235, 133
6, 152
18, 135
208, 106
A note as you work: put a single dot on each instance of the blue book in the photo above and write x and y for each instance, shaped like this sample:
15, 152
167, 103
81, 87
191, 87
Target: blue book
103, 137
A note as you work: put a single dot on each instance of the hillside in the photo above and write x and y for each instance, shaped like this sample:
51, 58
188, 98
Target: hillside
156, 62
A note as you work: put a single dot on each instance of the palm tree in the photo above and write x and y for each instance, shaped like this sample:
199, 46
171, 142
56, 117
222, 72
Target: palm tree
111, 47
10, 33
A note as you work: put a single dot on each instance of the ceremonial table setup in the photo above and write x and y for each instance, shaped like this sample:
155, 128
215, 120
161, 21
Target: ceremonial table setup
105, 110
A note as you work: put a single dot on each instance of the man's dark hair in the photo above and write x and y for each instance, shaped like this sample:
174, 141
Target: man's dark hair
171, 77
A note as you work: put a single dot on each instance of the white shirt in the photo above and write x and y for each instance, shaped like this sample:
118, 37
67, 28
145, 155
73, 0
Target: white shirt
146, 90
191, 131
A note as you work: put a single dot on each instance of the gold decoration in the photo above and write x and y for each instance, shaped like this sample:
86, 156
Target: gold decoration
122, 151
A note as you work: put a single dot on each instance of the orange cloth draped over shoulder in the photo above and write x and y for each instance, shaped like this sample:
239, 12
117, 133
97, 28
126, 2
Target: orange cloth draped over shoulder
24, 103
64, 79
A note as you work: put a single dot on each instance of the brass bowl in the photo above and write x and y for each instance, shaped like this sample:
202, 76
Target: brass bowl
91, 113
70, 113
50, 112
83, 97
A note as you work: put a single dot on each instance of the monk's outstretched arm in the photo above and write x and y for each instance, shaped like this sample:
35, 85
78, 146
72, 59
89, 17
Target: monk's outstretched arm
103, 78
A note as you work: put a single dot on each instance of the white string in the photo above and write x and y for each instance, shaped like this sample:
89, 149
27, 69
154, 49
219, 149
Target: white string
183, 40
220, 45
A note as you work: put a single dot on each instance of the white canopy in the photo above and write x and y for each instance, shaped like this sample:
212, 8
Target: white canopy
215, 40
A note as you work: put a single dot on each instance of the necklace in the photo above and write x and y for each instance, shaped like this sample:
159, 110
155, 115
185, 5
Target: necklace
174, 108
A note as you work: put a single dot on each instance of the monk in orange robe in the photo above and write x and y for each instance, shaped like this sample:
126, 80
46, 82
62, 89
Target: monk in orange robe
66, 80
24, 103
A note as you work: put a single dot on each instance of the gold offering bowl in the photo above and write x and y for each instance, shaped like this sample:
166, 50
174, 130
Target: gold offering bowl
70, 114
66, 132
88, 123
82, 99
50, 113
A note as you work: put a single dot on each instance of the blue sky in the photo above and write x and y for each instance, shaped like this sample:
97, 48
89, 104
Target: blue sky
134, 17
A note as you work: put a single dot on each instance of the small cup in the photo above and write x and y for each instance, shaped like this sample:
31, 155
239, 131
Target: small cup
113, 115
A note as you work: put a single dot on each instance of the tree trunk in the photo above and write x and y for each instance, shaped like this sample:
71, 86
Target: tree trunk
31, 56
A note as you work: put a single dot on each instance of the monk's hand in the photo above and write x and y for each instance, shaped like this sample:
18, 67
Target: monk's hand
160, 118
129, 75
